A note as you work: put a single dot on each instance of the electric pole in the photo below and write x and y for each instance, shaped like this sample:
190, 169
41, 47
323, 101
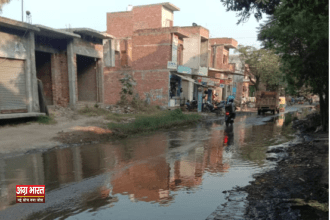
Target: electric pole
22, 11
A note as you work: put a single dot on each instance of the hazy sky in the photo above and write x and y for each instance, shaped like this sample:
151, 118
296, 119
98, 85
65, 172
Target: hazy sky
210, 14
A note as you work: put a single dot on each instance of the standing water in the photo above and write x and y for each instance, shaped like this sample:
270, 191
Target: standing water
178, 174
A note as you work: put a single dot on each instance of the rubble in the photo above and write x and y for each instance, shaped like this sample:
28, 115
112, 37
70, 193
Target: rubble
117, 109
298, 187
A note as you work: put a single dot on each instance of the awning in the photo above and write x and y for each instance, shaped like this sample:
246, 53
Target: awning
199, 84
184, 78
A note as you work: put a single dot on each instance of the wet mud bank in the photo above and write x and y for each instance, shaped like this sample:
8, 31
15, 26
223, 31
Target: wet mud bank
297, 188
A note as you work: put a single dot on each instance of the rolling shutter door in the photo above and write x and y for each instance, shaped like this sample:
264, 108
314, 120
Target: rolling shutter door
12, 86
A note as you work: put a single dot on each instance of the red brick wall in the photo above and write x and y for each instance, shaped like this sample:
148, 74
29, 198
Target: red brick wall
204, 32
219, 57
151, 51
60, 80
153, 86
147, 17
112, 86
120, 24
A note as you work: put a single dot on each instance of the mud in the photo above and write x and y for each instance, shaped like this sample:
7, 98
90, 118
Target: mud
297, 188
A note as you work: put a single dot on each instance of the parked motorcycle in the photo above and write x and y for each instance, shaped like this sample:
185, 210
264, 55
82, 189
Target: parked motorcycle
208, 107
218, 108
191, 105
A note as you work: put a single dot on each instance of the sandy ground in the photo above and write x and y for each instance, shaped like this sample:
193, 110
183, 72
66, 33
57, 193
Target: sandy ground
28, 136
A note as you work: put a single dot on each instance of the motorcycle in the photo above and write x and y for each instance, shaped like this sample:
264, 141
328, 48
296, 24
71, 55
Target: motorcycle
218, 108
230, 115
191, 105
208, 107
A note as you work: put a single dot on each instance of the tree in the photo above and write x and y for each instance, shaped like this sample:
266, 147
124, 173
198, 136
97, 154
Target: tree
246, 7
299, 31
263, 66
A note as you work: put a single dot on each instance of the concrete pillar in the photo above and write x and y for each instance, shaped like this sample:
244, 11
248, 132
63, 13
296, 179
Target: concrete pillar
100, 78
28, 78
31, 76
190, 90
72, 74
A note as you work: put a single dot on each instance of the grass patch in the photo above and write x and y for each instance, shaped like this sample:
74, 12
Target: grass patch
47, 120
161, 120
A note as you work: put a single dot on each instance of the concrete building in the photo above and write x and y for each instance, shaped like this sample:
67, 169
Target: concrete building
195, 56
18, 84
68, 62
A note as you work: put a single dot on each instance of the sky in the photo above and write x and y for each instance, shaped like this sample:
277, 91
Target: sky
210, 14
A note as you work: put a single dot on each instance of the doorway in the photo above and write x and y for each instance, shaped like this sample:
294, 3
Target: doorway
87, 78
43, 68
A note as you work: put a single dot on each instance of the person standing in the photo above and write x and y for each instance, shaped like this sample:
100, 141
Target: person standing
243, 103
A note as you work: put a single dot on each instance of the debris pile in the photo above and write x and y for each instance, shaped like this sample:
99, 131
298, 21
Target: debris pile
121, 109
310, 123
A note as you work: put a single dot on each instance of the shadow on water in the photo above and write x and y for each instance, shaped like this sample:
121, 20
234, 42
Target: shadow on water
146, 176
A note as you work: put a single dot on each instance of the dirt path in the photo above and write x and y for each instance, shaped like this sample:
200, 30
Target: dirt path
28, 136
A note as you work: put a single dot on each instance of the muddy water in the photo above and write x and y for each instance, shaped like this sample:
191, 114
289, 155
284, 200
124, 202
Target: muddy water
179, 174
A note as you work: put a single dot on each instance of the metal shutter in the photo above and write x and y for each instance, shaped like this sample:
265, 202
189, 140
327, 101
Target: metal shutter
12, 86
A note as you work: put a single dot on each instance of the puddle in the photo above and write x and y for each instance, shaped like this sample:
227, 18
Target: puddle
169, 175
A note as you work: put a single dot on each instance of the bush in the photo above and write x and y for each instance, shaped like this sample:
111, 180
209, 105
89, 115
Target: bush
46, 120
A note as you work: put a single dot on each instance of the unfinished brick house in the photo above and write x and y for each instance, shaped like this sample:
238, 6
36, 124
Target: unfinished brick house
69, 64
151, 49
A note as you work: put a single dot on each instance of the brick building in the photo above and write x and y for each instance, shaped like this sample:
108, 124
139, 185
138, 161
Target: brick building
151, 49
164, 60
219, 66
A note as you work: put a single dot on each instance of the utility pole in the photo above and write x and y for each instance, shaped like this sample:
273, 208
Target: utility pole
22, 11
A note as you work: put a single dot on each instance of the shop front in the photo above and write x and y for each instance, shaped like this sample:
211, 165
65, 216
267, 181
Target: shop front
180, 87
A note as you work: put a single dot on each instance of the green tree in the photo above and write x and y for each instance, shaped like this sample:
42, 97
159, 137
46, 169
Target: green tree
247, 7
264, 66
299, 31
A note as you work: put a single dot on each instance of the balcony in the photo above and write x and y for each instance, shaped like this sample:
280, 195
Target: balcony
227, 42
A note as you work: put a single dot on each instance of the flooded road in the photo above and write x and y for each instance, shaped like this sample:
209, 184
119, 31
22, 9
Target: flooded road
179, 174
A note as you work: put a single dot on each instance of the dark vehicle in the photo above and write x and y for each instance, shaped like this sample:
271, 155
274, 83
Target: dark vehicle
208, 107
218, 108
191, 105
230, 113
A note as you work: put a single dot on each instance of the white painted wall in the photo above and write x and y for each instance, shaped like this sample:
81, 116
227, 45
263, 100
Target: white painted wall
191, 51
166, 15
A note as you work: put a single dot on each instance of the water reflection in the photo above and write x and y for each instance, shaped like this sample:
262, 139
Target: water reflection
151, 169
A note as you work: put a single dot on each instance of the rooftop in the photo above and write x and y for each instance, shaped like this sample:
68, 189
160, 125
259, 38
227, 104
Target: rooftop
89, 32
55, 33
9, 23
